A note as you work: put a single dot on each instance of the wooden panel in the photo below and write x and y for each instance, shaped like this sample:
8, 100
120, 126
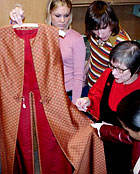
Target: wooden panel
35, 10
118, 2
128, 21
81, 1
78, 22
126, 2
131, 1
85, 2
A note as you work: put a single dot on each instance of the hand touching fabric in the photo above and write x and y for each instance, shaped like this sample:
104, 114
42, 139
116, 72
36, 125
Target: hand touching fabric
98, 126
83, 103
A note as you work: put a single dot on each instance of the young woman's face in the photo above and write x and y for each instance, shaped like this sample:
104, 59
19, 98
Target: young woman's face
103, 34
60, 17
121, 73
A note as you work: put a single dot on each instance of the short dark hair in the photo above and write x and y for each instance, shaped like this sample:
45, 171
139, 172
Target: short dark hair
100, 14
128, 110
128, 53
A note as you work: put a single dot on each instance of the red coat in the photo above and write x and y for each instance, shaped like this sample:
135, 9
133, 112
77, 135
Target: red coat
70, 127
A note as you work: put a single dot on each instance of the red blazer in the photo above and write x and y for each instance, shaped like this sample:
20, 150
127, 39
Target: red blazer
96, 92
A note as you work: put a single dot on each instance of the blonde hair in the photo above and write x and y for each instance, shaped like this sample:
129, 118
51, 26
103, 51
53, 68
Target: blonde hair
53, 4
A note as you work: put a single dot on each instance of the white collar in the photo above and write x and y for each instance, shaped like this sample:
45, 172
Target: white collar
62, 33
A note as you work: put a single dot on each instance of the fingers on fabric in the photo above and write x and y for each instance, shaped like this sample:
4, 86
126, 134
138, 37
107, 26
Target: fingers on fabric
83, 103
97, 126
107, 123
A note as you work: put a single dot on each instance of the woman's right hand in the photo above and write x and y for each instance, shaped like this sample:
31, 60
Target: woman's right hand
17, 15
82, 103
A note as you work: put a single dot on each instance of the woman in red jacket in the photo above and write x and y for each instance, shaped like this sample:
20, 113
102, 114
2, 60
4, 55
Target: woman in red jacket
116, 82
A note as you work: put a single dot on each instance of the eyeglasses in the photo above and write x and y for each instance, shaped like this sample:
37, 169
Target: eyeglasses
121, 71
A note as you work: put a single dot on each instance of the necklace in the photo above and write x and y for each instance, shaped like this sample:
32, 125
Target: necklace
100, 43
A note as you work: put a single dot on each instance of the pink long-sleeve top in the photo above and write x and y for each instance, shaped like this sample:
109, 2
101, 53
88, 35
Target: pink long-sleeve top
73, 54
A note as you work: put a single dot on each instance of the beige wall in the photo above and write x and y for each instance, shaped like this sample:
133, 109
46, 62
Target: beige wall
35, 10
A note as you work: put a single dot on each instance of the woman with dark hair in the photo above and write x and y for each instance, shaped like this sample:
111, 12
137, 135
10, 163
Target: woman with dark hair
104, 32
129, 116
115, 83
129, 113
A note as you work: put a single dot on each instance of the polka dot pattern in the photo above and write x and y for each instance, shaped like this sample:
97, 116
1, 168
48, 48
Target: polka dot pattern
71, 128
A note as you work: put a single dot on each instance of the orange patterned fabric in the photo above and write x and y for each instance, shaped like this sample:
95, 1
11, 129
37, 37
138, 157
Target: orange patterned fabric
71, 128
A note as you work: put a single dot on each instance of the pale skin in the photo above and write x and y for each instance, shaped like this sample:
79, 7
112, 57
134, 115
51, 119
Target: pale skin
125, 78
103, 34
60, 16
17, 15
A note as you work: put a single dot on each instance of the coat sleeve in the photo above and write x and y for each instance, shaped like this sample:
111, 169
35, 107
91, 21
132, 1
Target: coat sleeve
95, 94
114, 134
79, 54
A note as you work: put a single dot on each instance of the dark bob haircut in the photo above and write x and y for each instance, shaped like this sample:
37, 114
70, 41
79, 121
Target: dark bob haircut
128, 111
99, 15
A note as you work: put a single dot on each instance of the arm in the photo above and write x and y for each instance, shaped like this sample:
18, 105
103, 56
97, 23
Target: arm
92, 102
114, 134
95, 94
79, 53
